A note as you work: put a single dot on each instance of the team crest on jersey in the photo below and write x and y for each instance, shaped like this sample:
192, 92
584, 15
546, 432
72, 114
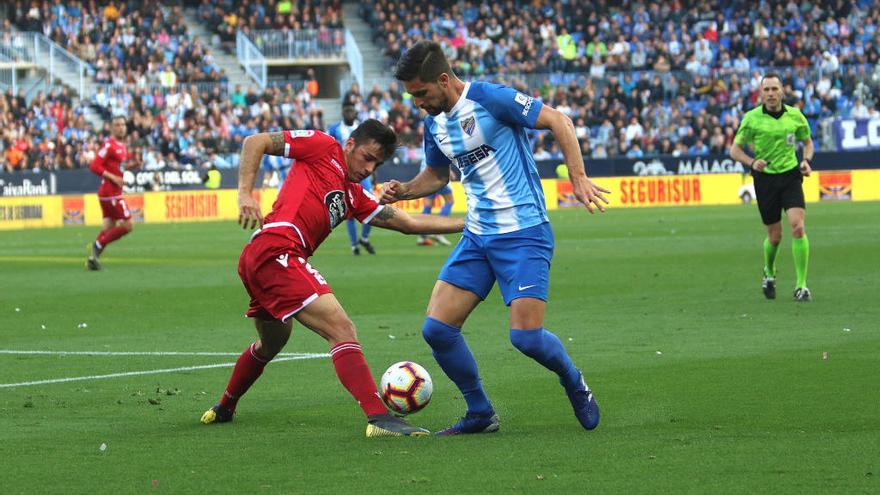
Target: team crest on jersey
468, 125
335, 201
789, 140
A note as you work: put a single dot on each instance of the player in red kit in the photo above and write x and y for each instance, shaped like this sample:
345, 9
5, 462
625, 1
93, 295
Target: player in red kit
320, 192
108, 165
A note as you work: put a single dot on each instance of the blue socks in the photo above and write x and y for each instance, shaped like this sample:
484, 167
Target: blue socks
446, 210
351, 226
546, 348
456, 360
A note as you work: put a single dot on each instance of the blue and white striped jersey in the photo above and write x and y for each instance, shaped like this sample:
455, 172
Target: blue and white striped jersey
342, 132
484, 137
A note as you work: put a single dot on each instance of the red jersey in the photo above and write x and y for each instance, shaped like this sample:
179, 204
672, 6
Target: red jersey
109, 158
316, 195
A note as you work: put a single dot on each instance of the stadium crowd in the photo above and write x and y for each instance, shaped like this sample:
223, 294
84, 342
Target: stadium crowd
637, 78
649, 77
47, 134
699, 36
124, 42
225, 17
181, 111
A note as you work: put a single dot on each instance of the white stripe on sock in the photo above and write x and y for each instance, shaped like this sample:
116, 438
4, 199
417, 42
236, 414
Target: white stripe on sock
343, 347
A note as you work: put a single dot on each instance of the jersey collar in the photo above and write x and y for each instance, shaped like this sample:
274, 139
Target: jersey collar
461, 99
774, 115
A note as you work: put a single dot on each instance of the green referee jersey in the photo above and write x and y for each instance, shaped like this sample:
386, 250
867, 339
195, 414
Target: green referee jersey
774, 139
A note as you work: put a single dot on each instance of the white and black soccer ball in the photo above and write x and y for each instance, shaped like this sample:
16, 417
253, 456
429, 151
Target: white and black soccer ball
406, 387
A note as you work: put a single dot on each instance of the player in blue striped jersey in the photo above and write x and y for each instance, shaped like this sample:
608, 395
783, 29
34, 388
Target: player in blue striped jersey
480, 128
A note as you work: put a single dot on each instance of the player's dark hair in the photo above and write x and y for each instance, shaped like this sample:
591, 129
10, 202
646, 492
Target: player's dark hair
373, 130
772, 75
347, 104
119, 117
425, 60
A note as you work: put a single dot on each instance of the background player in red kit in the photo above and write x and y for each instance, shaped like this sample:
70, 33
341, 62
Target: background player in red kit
320, 192
108, 165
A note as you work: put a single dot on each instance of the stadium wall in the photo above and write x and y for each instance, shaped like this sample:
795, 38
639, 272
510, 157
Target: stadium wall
664, 165
48, 211
81, 181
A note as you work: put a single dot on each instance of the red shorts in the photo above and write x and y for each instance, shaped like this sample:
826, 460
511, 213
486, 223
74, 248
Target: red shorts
278, 278
114, 208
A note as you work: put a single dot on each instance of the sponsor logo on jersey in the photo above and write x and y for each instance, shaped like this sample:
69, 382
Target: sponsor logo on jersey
296, 134
472, 157
337, 165
282, 260
335, 201
468, 125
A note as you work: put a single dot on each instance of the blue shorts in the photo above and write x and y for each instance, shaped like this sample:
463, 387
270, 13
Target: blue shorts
519, 261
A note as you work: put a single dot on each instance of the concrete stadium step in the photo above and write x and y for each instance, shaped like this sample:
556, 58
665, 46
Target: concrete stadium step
374, 62
332, 109
93, 118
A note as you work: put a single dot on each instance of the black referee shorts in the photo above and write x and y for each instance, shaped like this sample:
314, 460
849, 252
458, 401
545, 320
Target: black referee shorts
777, 192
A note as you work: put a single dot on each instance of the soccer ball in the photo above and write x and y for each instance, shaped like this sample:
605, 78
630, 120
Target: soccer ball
406, 387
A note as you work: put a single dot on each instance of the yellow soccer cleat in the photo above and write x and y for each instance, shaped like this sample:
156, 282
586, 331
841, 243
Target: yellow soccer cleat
387, 425
216, 414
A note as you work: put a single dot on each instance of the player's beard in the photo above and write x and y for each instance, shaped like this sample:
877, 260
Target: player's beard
435, 111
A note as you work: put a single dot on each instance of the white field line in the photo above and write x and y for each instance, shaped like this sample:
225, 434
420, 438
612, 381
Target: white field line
147, 353
150, 372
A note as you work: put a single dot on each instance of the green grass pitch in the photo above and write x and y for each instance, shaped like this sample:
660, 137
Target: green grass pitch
705, 387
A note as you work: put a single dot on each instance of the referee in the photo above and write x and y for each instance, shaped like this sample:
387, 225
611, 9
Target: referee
773, 130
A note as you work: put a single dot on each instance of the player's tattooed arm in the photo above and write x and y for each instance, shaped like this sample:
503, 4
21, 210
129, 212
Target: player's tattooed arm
392, 218
253, 149
385, 218
276, 144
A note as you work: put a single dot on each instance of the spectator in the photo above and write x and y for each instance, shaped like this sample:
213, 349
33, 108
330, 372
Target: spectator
859, 110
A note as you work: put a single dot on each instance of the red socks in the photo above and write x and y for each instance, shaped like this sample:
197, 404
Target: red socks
351, 368
110, 235
355, 375
247, 369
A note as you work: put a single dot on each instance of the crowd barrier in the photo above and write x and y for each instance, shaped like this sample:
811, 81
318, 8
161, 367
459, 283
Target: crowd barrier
81, 181
626, 192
